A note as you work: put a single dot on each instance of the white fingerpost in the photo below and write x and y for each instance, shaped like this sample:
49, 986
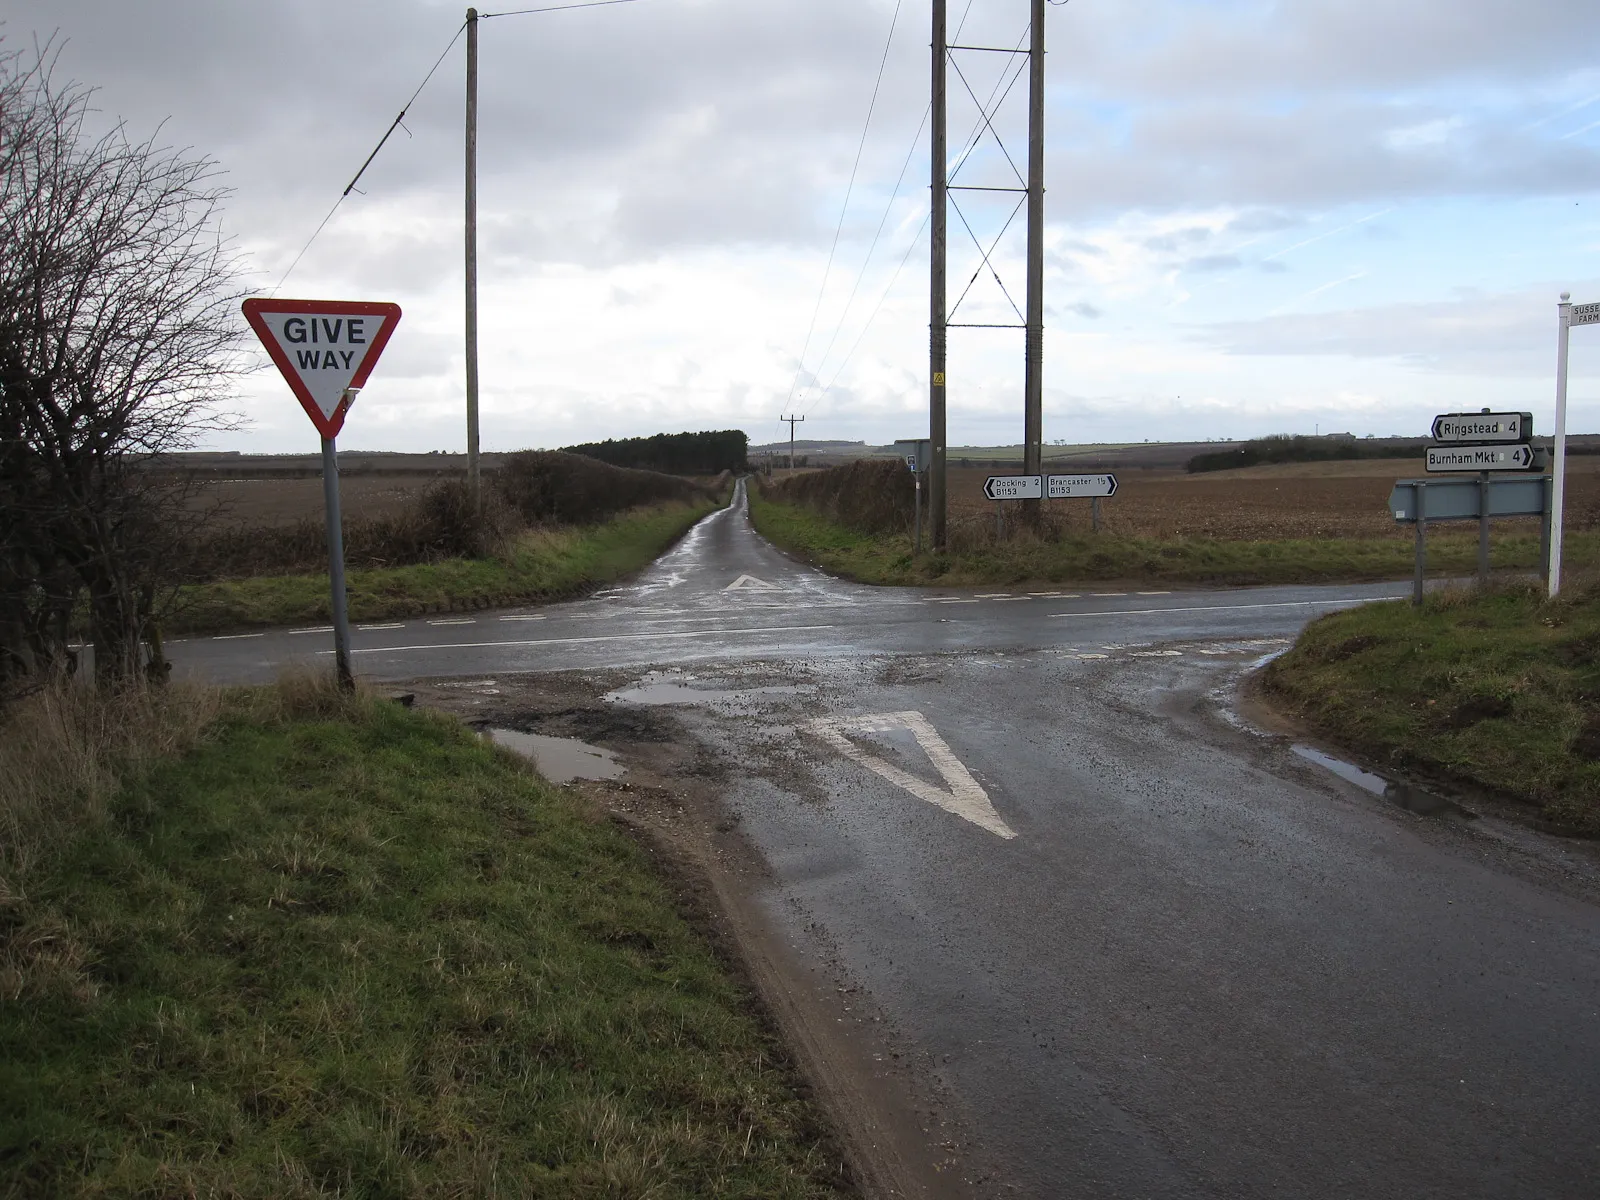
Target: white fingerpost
1558, 482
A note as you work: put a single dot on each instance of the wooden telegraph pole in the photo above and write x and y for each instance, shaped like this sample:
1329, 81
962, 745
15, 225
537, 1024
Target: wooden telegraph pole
1033, 386
937, 316
473, 483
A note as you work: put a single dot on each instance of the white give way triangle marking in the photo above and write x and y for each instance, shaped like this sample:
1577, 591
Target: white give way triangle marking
749, 583
961, 795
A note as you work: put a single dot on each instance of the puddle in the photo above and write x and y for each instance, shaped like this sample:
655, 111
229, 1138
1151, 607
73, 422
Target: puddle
668, 692
560, 760
1403, 795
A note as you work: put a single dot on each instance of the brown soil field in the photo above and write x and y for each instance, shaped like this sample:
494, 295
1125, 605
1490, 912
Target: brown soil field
254, 503
1287, 500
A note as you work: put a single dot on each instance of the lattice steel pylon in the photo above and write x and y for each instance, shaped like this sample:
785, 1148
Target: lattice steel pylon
1030, 318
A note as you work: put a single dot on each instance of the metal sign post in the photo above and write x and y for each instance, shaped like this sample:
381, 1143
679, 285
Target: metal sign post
1567, 315
341, 612
1422, 501
325, 350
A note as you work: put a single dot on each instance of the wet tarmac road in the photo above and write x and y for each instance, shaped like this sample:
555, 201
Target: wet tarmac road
725, 594
1148, 952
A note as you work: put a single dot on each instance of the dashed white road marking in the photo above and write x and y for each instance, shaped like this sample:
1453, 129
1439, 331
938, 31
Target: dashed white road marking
965, 797
234, 637
572, 641
456, 621
749, 583
396, 625
958, 602
1105, 595
1154, 593
1156, 654
523, 618
319, 629
1131, 612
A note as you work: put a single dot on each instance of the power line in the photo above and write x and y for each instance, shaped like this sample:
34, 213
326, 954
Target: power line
316, 233
844, 209
971, 142
888, 208
350, 187
522, 12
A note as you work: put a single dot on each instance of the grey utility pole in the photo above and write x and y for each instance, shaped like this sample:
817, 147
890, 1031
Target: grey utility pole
793, 421
937, 317
1033, 386
472, 260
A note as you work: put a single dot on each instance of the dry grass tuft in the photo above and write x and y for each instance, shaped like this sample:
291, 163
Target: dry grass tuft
66, 749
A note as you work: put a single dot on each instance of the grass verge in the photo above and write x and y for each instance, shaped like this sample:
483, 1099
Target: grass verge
1497, 689
543, 565
337, 947
887, 558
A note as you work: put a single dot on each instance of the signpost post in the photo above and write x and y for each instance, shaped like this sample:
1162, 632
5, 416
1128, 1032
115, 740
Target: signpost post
325, 350
918, 453
1567, 315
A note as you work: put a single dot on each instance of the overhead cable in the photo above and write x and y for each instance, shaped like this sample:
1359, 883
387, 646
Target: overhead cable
844, 209
350, 187
522, 12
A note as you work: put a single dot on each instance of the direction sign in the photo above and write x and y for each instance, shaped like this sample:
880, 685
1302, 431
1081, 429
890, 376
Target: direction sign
1460, 499
324, 348
1072, 487
1480, 458
1483, 427
1584, 314
1014, 487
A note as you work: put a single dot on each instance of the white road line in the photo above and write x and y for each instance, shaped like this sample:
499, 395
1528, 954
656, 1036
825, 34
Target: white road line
1133, 612
612, 637
364, 628
1155, 593
1105, 595
319, 629
456, 621
993, 595
965, 797
234, 637
1013, 597
521, 618
1044, 593
958, 602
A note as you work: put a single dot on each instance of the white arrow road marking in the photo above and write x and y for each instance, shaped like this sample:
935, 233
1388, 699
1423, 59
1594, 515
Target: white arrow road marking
965, 797
751, 584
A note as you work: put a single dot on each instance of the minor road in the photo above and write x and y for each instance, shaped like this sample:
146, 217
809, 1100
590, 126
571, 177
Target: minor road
1147, 952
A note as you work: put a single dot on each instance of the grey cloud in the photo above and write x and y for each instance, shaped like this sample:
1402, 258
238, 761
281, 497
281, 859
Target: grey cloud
1214, 262
1505, 334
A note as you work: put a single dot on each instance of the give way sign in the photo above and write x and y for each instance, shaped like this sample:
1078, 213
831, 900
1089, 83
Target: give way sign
325, 349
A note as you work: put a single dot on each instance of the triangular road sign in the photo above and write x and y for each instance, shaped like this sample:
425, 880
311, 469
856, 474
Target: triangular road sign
325, 349
961, 795
749, 583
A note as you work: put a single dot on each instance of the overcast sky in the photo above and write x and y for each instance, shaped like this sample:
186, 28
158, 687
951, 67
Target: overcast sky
1261, 216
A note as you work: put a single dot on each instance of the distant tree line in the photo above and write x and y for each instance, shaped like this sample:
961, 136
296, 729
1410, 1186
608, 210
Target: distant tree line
675, 453
1284, 447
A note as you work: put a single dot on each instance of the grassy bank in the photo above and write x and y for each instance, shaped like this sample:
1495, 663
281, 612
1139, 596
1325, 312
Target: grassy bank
1500, 690
541, 565
336, 947
887, 558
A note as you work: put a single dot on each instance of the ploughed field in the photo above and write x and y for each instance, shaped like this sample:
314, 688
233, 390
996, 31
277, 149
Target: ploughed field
1288, 500
254, 503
